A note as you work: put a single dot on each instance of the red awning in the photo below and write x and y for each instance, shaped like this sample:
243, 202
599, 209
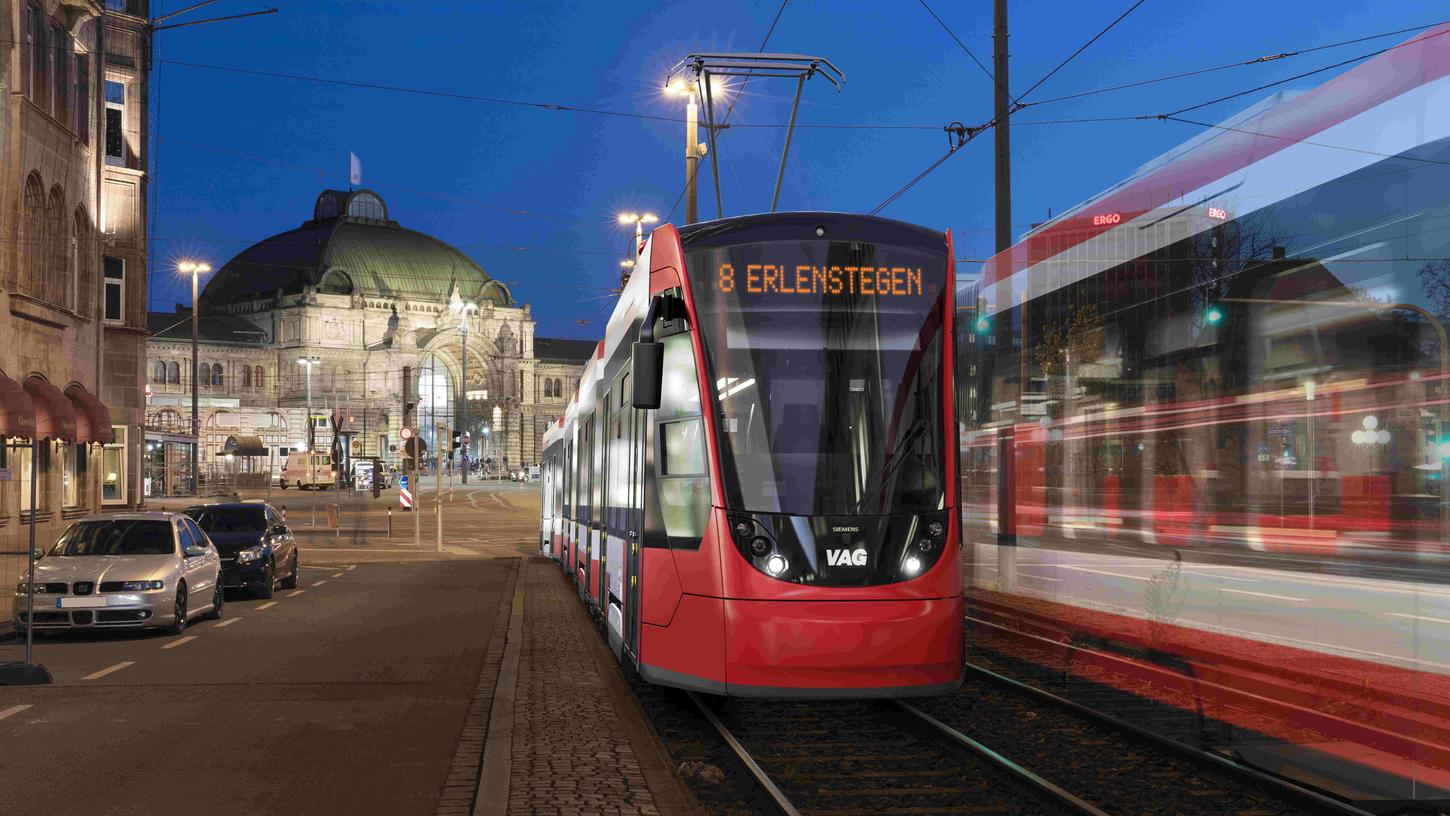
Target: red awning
17, 412
55, 418
93, 418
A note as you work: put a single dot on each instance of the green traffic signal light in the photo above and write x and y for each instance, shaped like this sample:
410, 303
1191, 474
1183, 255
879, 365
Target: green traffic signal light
983, 325
1213, 316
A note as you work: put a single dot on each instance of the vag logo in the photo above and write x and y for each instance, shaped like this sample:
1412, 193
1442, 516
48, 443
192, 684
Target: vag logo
845, 558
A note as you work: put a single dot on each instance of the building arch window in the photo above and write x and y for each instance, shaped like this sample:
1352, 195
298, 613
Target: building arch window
52, 287
81, 270
173, 373
204, 378
216, 375
366, 205
158, 375
32, 237
246, 376
259, 377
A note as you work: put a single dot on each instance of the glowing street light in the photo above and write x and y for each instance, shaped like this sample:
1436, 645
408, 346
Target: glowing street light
196, 269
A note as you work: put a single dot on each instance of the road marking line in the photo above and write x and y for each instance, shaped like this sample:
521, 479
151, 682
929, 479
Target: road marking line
295, 594
337, 575
103, 672
319, 583
1034, 576
1408, 616
173, 644
351, 568
1221, 577
267, 605
227, 622
1104, 572
13, 710
1264, 595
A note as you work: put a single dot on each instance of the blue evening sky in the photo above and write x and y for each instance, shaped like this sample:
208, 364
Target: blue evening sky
240, 157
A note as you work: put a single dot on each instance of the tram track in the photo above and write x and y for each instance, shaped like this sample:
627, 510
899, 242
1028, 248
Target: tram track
1158, 738
886, 757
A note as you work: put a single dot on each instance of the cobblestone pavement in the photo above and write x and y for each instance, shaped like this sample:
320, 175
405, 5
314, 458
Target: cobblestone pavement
580, 743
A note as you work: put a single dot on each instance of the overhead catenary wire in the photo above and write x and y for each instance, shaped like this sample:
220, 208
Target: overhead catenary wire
1081, 49
963, 46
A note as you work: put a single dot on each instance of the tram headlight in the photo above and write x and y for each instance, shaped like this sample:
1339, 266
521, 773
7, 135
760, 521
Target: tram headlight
911, 566
925, 545
759, 546
776, 564
935, 529
743, 529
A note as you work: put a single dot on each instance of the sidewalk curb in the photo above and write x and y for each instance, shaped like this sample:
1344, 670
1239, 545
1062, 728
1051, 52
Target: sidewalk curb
496, 772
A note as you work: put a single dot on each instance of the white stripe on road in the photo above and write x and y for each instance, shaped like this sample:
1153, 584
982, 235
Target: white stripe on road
173, 644
103, 672
227, 622
1104, 572
1265, 595
337, 575
312, 566
1222, 577
319, 583
1034, 576
295, 594
267, 605
12, 711
351, 568
1408, 616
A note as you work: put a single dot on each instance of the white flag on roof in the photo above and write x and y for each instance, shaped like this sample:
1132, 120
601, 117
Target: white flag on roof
355, 176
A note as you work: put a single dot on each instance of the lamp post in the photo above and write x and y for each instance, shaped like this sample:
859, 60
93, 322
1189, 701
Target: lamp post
463, 308
638, 220
693, 148
196, 270
309, 362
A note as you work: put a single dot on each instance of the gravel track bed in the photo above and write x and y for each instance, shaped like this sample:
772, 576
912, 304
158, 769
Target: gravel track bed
1113, 770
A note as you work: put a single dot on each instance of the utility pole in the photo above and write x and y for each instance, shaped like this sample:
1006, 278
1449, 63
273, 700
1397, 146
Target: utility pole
692, 161
1006, 448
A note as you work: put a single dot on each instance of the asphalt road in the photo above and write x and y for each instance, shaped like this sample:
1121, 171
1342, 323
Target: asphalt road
345, 696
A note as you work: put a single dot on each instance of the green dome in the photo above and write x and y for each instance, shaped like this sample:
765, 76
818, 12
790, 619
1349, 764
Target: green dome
351, 247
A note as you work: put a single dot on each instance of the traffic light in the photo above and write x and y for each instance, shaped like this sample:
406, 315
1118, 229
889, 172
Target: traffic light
982, 325
1213, 315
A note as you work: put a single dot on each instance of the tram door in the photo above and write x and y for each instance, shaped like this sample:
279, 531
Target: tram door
636, 433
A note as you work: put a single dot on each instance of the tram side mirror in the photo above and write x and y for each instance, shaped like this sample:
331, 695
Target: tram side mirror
647, 363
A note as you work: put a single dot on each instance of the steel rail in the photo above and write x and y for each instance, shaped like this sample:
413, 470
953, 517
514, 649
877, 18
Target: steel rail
782, 803
1000, 762
1281, 786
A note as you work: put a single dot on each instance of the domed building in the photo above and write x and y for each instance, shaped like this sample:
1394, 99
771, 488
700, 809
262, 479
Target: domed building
353, 299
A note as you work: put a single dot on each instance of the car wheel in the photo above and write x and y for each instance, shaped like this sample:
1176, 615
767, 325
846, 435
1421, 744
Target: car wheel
217, 599
179, 624
264, 587
290, 582
283, 483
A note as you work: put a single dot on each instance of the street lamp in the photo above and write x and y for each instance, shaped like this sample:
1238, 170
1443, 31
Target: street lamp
309, 362
638, 220
694, 149
463, 308
196, 270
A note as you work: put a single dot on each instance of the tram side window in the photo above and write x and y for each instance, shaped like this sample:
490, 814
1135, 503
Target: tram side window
618, 483
684, 484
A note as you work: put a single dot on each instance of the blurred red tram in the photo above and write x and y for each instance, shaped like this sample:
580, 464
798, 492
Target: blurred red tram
755, 486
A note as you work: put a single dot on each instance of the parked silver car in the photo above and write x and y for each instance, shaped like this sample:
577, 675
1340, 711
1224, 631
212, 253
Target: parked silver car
125, 570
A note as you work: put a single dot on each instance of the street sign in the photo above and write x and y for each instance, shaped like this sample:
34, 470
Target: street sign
406, 432
405, 496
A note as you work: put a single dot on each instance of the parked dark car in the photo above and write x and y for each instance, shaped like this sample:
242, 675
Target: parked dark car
257, 549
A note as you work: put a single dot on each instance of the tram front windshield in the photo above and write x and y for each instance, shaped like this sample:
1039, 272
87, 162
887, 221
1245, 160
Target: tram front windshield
826, 358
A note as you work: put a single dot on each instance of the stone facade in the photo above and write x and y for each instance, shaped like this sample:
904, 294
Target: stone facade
364, 299
59, 222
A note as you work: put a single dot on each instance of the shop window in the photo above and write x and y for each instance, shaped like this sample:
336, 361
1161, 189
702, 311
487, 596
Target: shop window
113, 468
22, 457
73, 457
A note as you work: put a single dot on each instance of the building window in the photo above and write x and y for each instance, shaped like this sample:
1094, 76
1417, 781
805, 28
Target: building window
246, 376
60, 42
81, 111
22, 457
115, 289
216, 375
113, 468
73, 473
158, 374
173, 373
115, 121
258, 377
205, 378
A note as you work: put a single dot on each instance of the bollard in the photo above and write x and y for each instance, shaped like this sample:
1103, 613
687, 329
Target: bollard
390, 524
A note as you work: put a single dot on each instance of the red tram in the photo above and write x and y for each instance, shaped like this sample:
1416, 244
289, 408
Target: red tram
755, 487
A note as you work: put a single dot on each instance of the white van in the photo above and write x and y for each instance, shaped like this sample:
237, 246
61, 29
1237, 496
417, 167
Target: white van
309, 470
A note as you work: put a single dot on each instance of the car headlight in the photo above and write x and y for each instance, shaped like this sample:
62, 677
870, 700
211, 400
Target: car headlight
140, 586
250, 554
23, 588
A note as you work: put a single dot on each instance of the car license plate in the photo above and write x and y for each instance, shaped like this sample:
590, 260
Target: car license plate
79, 603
